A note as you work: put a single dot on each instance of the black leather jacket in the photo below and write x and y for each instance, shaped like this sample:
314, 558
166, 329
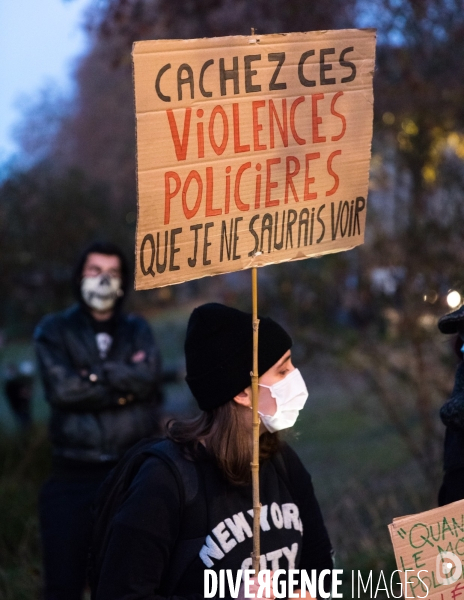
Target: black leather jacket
99, 408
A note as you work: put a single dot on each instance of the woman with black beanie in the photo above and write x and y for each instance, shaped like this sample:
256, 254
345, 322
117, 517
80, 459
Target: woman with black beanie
188, 508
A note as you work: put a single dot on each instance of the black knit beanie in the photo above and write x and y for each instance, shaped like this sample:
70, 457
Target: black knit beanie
219, 352
453, 322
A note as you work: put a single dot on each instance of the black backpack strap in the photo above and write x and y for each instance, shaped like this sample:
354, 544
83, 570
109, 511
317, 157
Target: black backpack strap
114, 491
188, 548
183, 469
110, 496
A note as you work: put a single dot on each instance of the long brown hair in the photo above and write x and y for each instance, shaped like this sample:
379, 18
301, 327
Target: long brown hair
225, 436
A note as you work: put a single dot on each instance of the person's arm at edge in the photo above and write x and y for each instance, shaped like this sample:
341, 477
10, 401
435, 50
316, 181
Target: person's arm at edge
143, 373
452, 412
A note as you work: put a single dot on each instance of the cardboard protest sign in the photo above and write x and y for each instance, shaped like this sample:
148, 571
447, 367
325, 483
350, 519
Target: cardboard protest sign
429, 548
251, 150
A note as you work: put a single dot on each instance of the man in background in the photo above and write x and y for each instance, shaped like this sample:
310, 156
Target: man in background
101, 373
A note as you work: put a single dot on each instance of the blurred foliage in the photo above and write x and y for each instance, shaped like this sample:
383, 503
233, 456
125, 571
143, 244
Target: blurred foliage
416, 212
130, 20
46, 218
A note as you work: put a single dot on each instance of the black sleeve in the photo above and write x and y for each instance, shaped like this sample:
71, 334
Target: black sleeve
141, 377
143, 536
65, 387
317, 550
452, 412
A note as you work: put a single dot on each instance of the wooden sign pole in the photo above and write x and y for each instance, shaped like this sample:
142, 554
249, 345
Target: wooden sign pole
256, 422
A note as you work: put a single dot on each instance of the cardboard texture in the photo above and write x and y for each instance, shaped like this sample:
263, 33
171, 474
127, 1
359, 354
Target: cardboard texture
251, 150
419, 542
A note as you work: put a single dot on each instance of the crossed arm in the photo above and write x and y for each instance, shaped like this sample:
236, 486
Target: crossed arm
101, 384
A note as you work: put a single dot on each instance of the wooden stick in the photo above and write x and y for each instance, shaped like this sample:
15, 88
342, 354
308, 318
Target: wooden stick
256, 422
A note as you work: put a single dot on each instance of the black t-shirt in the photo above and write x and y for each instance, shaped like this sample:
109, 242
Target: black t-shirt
104, 334
151, 530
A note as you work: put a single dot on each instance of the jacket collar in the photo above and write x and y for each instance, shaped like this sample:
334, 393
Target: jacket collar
82, 327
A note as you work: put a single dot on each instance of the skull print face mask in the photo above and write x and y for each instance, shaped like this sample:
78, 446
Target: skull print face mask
101, 291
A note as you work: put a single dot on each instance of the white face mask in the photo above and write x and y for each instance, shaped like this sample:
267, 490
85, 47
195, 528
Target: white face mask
101, 292
290, 395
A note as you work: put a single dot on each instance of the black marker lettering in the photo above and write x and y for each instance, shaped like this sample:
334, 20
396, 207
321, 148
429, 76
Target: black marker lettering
182, 80
147, 239
321, 237
174, 232
206, 261
254, 234
207, 64
161, 72
249, 74
324, 67
280, 58
292, 217
348, 64
193, 261
301, 77
360, 205
226, 74
162, 267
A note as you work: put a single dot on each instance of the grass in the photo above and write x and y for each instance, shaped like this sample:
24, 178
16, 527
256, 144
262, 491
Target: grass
341, 438
24, 464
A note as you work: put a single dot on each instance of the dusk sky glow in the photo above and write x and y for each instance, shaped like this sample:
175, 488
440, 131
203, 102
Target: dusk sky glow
39, 43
